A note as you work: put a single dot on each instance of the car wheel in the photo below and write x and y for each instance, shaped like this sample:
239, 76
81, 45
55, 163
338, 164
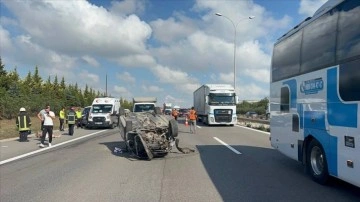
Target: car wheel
317, 163
173, 128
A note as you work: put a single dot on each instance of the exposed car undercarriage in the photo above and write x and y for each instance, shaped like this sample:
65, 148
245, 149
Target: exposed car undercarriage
150, 134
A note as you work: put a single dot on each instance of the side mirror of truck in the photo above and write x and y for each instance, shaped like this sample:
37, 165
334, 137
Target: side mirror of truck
236, 99
206, 99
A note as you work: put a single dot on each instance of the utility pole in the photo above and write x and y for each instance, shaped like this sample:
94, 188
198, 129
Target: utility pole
106, 85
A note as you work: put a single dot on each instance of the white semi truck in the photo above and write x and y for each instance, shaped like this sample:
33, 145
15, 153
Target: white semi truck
215, 104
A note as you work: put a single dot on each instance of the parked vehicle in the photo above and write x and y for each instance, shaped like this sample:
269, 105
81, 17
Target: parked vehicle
167, 108
216, 104
143, 104
314, 89
268, 114
104, 113
84, 116
251, 115
183, 112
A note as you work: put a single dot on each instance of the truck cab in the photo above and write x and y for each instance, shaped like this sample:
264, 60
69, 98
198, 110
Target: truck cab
144, 104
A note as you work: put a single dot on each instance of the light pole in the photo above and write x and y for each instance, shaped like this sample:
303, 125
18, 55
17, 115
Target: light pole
235, 26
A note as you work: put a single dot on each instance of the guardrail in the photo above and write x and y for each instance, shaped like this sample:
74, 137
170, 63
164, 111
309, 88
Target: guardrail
243, 119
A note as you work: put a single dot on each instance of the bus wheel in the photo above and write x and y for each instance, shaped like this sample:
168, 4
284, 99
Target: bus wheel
316, 162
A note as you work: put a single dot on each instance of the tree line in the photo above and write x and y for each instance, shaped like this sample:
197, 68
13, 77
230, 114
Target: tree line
33, 93
258, 107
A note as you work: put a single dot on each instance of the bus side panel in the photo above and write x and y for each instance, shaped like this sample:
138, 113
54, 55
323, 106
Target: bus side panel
283, 138
345, 125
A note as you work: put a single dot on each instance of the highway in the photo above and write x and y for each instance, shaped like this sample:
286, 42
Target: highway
229, 164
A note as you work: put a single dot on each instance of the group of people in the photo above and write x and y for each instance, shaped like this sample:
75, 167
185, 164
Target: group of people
192, 116
47, 117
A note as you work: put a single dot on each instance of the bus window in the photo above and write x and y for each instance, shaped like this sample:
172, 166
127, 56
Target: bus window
320, 34
286, 58
285, 99
349, 81
295, 123
349, 33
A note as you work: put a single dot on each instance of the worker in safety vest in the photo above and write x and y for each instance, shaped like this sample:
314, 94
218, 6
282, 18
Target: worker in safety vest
62, 118
23, 123
192, 119
175, 114
71, 120
78, 118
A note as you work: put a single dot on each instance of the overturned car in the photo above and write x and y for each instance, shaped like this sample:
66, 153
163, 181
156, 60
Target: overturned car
148, 134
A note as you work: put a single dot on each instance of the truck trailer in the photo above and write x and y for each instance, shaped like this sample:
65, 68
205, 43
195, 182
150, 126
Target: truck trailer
215, 104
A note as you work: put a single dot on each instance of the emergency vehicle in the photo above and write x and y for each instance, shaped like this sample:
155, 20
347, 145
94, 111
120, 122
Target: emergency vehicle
104, 113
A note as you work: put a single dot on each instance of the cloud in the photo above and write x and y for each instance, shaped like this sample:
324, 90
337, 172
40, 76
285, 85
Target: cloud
178, 52
127, 7
136, 60
168, 75
308, 7
90, 60
122, 92
171, 30
6, 43
126, 77
89, 77
78, 27
252, 91
152, 88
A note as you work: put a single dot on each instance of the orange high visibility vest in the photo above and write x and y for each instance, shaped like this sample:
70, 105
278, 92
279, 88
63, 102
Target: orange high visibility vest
192, 115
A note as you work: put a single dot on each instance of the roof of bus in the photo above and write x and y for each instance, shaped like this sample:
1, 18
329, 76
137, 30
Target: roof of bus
323, 9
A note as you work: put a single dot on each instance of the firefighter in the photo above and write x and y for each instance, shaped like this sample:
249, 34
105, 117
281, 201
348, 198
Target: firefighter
71, 120
23, 123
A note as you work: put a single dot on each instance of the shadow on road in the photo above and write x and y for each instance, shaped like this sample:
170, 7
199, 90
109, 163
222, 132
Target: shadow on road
263, 174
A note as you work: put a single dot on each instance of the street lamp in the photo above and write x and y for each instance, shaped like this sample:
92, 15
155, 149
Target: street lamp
235, 26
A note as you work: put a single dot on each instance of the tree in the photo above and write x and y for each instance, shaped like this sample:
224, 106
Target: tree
62, 84
3, 76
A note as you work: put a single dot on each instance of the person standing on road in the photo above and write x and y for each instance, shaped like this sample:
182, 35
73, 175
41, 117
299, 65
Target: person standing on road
78, 118
175, 114
192, 119
41, 116
48, 126
23, 123
71, 117
62, 118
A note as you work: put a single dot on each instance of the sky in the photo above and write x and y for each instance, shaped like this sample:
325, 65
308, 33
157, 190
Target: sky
159, 48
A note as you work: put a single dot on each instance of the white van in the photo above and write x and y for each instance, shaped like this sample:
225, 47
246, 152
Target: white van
104, 112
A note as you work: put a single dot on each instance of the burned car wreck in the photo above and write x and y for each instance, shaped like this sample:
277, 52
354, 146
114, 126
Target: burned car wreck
149, 134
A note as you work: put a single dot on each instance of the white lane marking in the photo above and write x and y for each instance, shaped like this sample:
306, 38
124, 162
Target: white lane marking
228, 146
198, 126
47, 148
253, 129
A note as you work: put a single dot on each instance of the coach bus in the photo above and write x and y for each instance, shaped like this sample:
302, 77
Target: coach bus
315, 93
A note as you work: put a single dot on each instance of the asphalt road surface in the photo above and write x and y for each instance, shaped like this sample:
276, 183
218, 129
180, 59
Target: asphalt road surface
229, 164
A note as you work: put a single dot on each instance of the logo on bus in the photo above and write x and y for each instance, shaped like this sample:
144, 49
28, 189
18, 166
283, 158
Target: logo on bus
312, 86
